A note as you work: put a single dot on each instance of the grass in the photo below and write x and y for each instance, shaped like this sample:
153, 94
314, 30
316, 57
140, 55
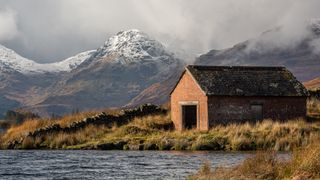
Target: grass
64, 140
154, 132
313, 109
304, 164
4, 124
29, 125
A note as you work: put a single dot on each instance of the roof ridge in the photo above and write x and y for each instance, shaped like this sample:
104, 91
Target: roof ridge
238, 67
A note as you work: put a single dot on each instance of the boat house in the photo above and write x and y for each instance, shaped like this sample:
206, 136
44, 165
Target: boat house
206, 96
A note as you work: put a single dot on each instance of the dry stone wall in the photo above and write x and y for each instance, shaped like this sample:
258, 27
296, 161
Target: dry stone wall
100, 119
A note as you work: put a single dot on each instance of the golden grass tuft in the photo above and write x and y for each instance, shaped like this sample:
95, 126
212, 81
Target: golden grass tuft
313, 107
63, 140
304, 164
152, 122
30, 125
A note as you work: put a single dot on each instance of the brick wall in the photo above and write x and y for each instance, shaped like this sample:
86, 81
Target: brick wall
225, 109
237, 109
187, 91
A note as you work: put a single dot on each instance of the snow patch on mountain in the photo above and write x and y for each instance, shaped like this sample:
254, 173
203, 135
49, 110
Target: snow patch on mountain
11, 61
73, 62
132, 46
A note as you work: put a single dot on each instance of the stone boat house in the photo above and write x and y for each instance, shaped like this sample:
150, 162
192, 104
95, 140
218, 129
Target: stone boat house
208, 95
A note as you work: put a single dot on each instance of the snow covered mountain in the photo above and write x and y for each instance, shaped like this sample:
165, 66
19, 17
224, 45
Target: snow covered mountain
129, 46
11, 61
132, 47
111, 76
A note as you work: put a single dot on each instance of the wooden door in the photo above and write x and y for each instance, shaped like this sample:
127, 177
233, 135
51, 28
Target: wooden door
189, 116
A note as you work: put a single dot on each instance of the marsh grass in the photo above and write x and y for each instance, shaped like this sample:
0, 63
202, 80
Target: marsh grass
29, 125
63, 140
304, 164
265, 135
155, 132
313, 108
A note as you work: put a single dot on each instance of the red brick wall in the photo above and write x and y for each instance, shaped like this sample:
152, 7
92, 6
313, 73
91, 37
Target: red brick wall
186, 91
237, 109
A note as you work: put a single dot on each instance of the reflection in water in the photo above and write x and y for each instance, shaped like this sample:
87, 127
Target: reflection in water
109, 164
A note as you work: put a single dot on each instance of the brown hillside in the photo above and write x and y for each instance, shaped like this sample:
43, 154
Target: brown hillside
312, 84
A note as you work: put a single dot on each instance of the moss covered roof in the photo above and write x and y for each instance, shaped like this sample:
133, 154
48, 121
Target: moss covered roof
246, 81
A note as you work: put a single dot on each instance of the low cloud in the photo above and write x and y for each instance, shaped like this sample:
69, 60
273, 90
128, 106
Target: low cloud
315, 44
291, 29
54, 30
8, 26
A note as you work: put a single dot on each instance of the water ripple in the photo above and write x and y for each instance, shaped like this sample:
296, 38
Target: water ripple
109, 164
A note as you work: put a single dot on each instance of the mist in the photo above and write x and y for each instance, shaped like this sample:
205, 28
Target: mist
49, 31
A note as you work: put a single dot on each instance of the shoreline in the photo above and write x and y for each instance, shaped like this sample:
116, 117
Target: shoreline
264, 136
149, 127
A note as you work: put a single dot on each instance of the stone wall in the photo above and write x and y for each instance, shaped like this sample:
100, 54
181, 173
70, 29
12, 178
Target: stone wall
100, 119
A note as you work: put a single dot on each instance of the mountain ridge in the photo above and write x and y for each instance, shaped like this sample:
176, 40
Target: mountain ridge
313, 84
12, 61
111, 76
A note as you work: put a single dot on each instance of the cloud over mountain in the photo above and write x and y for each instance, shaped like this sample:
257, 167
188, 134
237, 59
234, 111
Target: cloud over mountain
8, 26
53, 30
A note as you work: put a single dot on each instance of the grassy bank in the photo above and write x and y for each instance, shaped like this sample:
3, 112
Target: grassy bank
154, 132
304, 164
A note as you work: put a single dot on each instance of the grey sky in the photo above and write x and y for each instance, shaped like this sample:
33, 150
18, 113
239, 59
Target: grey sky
47, 30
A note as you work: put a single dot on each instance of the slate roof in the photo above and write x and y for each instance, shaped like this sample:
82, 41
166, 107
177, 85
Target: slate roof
246, 81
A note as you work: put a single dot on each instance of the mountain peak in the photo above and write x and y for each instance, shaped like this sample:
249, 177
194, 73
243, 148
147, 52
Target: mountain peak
127, 39
131, 34
125, 36
131, 46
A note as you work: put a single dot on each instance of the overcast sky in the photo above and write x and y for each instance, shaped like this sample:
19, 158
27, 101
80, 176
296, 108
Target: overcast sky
51, 30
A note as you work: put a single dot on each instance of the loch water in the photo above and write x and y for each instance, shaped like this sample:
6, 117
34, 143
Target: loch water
90, 164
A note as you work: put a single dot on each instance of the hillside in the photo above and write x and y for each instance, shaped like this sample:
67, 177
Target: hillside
313, 84
24, 81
